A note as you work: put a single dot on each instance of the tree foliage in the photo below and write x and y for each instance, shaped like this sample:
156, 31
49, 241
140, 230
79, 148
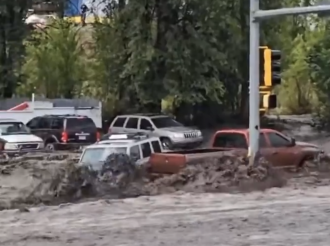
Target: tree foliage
54, 64
192, 53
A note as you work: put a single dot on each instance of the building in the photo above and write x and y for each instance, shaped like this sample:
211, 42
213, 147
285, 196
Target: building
73, 10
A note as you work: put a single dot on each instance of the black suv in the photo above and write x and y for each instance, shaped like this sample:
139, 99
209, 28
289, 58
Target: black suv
62, 132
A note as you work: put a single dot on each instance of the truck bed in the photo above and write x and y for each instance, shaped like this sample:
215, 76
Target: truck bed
172, 162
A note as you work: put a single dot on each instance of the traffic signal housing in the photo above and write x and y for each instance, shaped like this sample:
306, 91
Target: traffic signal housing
270, 67
267, 101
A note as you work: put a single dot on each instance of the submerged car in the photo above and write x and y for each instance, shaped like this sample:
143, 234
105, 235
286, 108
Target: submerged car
139, 147
16, 138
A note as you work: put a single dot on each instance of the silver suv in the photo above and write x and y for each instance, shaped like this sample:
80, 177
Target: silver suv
171, 133
138, 146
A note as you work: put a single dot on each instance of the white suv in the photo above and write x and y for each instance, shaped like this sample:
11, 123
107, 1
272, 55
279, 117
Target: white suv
172, 134
138, 146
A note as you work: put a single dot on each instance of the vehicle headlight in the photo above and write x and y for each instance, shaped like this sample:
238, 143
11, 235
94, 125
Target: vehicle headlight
178, 135
10, 146
199, 133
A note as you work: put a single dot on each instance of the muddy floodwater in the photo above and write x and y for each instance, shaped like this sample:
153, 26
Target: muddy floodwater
296, 214
279, 216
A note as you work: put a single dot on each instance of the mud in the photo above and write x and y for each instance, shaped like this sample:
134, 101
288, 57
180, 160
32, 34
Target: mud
52, 179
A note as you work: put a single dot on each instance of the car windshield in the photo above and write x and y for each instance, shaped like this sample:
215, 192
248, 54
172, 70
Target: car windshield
9, 128
96, 156
164, 122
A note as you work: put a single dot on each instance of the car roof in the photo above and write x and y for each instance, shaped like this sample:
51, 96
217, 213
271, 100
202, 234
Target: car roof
244, 130
9, 120
73, 116
144, 115
108, 145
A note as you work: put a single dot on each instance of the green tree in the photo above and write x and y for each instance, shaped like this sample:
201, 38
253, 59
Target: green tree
318, 60
12, 34
54, 62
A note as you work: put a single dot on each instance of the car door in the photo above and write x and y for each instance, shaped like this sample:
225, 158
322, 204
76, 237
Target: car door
281, 153
40, 127
265, 148
44, 128
145, 125
146, 152
33, 125
131, 125
118, 125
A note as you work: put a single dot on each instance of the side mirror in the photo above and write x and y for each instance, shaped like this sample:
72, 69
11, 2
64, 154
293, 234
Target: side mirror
149, 128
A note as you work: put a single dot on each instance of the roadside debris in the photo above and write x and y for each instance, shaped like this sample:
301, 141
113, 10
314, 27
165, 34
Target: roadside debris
53, 179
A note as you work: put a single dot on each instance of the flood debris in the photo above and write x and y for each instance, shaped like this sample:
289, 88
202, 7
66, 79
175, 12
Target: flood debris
52, 179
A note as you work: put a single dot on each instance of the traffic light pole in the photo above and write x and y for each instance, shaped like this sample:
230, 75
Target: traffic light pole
254, 117
256, 16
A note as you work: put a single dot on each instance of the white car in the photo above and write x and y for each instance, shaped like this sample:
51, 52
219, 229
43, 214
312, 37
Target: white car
138, 147
16, 138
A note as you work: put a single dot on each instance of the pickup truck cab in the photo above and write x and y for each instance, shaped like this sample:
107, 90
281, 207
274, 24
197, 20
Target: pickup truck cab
280, 150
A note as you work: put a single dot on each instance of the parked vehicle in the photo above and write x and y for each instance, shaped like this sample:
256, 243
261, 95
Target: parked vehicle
16, 138
138, 146
277, 148
63, 132
171, 133
27, 110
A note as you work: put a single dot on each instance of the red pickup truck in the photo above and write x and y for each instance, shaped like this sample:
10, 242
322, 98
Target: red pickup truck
277, 148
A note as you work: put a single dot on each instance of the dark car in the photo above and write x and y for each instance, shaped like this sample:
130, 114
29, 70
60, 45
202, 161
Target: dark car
63, 132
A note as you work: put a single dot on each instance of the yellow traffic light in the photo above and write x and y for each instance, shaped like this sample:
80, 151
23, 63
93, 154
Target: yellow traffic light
267, 100
267, 67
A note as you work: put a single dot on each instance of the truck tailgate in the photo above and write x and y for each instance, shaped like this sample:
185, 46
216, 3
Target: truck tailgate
165, 163
169, 163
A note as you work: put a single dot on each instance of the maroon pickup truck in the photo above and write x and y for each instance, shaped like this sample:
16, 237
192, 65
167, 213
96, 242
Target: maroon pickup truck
277, 148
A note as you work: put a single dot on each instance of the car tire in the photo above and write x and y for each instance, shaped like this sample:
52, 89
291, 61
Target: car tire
50, 146
167, 143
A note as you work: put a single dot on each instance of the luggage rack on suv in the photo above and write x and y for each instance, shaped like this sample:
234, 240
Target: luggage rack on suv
125, 136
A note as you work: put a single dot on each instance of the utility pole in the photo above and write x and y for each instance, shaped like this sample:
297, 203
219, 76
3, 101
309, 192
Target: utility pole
256, 16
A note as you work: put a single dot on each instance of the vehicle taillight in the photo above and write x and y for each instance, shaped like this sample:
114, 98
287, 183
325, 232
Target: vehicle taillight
98, 136
64, 137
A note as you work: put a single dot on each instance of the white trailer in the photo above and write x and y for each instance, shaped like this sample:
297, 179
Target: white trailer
26, 111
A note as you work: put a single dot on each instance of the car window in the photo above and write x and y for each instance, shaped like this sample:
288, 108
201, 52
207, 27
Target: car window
80, 124
262, 140
44, 123
276, 140
145, 124
96, 156
135, 152
132, 123
57, 124
163, 122
33, 123
156, 146
230, 140
8, 128
146, 150
119, 122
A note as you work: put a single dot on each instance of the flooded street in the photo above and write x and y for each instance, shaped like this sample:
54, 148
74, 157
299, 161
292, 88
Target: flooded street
279, 216
296, 214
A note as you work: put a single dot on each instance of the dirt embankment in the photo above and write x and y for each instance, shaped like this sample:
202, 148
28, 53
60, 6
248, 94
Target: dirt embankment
55, 178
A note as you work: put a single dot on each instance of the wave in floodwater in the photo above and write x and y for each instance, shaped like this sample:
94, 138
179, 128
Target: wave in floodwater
51, 179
